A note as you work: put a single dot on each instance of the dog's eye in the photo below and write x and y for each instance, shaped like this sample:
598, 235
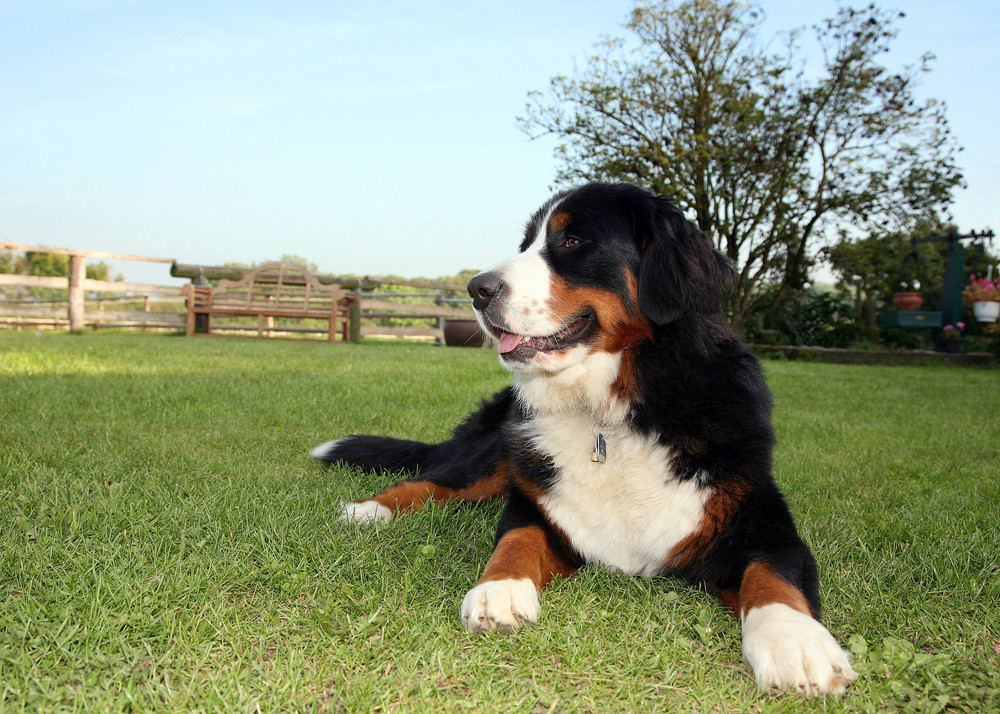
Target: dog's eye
571, 242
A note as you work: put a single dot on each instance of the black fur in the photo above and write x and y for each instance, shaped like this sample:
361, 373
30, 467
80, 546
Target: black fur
699, 391
471, 454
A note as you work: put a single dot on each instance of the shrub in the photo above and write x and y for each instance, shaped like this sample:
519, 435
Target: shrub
809, 317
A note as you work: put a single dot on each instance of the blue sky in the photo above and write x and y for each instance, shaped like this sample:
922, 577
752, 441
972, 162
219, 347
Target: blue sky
371, 138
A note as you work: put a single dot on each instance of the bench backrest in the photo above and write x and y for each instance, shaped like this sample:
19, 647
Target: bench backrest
278, 286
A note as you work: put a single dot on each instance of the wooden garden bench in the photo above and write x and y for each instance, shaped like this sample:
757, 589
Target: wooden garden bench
275, 290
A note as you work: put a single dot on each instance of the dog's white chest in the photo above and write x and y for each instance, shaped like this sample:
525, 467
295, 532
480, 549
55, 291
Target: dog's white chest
626, 513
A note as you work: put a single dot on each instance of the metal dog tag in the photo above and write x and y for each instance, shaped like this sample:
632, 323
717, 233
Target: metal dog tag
600, 454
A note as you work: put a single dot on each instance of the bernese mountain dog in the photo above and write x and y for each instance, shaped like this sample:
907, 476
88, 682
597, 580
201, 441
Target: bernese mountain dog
636, 434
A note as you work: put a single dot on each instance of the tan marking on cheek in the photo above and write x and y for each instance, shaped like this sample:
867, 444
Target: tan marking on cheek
568, 302
559, 221
622, 326
634, 330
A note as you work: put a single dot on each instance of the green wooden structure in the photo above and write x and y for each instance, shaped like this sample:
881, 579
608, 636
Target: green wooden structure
949, 305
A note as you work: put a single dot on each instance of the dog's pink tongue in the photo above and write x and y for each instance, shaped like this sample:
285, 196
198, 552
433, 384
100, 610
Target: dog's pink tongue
508, 342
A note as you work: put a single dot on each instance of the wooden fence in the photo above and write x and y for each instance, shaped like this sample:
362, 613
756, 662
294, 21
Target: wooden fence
414, 315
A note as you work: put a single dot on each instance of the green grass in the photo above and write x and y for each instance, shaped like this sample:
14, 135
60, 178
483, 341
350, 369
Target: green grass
167, 544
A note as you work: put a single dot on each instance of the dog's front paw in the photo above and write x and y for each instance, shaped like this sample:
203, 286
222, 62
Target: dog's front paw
789, 649
365, 512
500, 605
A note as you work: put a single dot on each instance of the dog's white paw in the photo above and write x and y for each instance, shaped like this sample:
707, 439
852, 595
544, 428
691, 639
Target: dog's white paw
500, 605
365, 512
789, 649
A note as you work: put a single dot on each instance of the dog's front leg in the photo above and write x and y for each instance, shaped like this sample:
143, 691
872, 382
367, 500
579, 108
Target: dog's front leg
509, 592
784, 645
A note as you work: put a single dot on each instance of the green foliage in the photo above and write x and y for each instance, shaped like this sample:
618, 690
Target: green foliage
764, 156
166, 543
49, 264
41, 263
45, 264
808, 317
285, 258
882, 264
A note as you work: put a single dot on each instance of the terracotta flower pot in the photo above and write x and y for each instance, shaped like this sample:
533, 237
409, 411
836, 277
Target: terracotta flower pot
907, 301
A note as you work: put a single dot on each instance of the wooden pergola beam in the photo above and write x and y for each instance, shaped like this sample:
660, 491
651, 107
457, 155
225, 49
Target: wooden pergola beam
83, 253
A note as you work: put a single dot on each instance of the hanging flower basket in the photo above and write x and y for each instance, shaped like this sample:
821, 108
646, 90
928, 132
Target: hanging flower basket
986, 311
984, 296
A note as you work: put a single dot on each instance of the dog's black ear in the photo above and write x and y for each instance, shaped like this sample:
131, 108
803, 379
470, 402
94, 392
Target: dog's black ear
679, 269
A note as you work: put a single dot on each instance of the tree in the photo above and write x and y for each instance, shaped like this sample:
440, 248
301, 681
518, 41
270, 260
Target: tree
765, 156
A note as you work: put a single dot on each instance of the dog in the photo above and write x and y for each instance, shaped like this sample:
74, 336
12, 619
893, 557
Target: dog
636, 434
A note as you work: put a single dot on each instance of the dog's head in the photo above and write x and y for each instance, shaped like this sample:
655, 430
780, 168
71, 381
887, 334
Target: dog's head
598, 268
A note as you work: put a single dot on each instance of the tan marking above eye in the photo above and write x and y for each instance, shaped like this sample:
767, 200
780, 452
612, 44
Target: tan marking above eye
559, 221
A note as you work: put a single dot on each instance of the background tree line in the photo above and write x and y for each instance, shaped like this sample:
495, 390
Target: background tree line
774, 159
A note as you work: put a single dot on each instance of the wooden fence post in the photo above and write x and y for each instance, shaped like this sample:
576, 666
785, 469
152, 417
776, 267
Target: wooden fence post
77, 276
354, 317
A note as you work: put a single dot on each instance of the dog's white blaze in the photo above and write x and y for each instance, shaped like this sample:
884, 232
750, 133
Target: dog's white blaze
527, 308
528, 278
627, 513
787, 648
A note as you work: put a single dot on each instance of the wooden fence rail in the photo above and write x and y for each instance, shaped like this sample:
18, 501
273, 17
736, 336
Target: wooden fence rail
425, 313
369, 309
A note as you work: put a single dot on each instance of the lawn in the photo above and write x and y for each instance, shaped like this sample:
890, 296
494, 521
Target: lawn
167, 544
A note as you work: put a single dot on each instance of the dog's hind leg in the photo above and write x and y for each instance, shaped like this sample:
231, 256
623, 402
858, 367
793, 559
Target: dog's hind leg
471, 466
412, 494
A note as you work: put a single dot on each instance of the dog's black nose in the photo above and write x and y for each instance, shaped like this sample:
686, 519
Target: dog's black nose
484, 288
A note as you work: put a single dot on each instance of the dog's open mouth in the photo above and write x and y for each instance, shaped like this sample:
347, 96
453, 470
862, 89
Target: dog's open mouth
516, 346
